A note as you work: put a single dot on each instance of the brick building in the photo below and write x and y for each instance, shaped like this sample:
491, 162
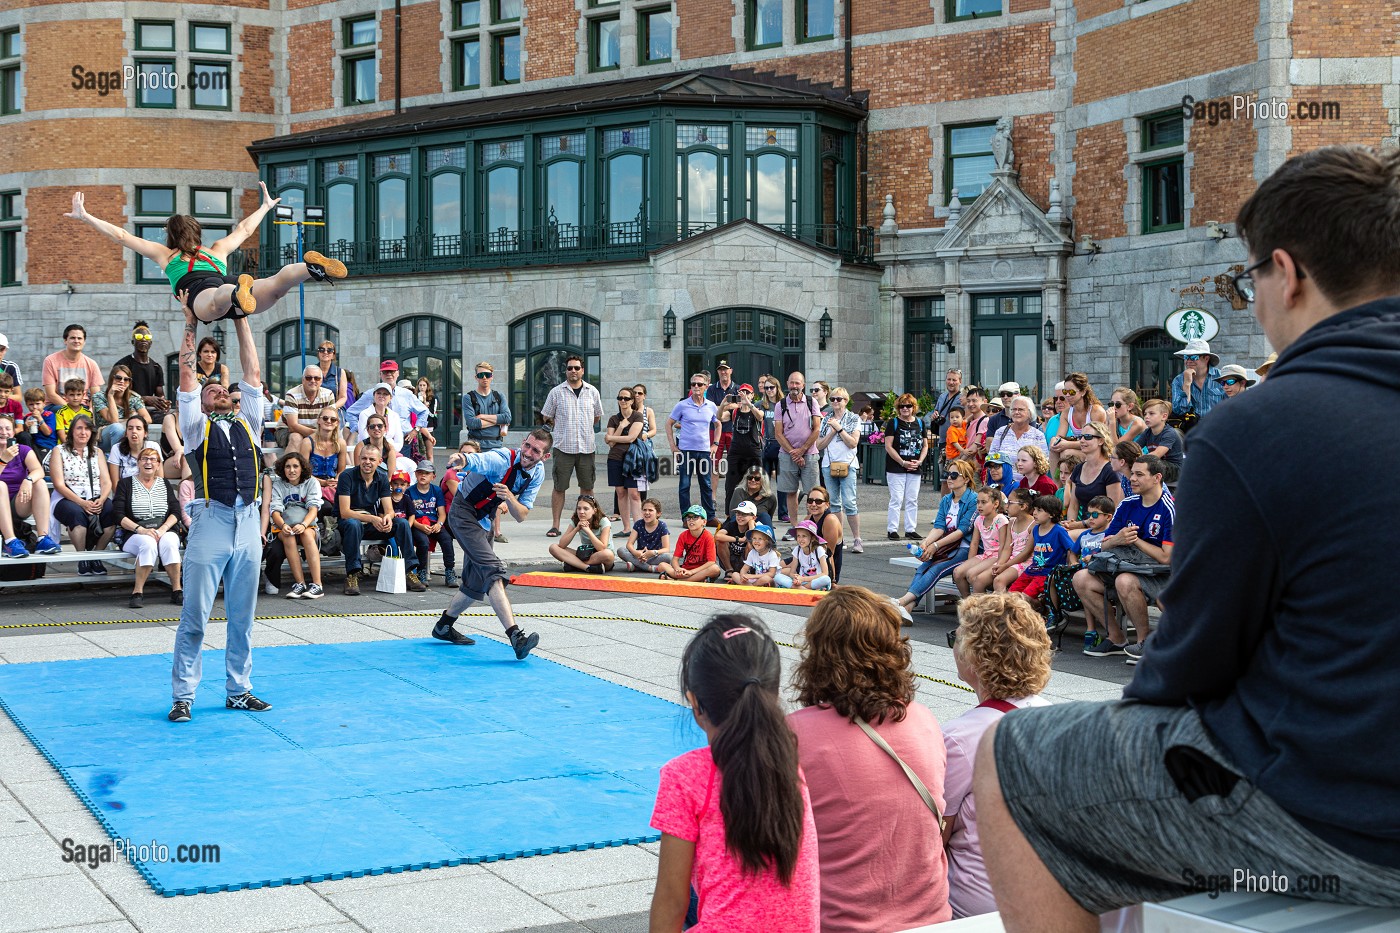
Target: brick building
515, 179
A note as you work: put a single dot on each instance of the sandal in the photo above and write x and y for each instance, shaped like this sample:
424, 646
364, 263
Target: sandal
552, 533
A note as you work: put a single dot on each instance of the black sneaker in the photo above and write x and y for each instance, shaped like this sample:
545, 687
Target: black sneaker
247, 701
1105, 649
913, 536
523, 644
323, 268
179, 711
450, 634
137, 601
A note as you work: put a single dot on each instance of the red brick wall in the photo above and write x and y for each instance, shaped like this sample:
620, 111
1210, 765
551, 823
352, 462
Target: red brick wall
704, 27
1034, 149
890, 14
1100, 153
1088, 9
1191, 39
1345, 28
422, 51
986, 63
898, 161
821, 67
1024, 6
52, 49
145, 142
1222, 173
254, 71
312, 77
551, 38
249, 202
1364, 117
53, 242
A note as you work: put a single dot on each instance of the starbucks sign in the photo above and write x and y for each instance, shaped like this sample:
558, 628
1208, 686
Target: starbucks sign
1187, 324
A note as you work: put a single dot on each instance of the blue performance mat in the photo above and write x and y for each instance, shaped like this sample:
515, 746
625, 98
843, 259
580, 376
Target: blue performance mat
376, 757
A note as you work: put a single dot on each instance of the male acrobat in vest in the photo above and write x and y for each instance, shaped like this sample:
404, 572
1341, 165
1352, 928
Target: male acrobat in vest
490, 479
224, 539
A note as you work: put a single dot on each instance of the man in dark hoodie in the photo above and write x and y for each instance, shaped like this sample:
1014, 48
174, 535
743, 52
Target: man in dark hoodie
1258, 738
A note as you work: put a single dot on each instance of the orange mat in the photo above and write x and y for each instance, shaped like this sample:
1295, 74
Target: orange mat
640, 583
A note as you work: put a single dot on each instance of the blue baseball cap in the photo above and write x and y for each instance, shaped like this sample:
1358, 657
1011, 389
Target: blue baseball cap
996, 459
766, 530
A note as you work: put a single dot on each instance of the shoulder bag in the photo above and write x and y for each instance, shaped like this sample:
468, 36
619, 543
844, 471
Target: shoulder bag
914, 779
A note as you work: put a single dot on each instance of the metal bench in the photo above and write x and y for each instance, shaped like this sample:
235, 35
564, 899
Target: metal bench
943, 589
123, 563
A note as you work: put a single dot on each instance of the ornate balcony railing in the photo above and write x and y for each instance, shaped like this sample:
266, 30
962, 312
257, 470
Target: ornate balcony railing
552, 245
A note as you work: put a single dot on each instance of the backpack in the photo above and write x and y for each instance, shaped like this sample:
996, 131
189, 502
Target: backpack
811, 406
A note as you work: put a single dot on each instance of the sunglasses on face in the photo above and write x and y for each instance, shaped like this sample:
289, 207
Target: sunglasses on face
325, 350
1071, 393
1233, 380
143, 339
116, 379
1096, 515
624, 398
1192, 358
573, 369
1007, 394
328, 420
1047, 407
902, 407
311, 378
484, 375
697, 385
811, 500
1117, 404
376, 427
813, 391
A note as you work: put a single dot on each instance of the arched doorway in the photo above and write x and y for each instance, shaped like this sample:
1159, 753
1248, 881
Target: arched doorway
754, 341
282, 363
539, 344
430, 346
1151, 365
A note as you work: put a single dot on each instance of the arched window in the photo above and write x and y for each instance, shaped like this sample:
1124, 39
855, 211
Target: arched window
561, 187
1151, 365
283, 360
391, 174
702, 173
446, 168
502, 167
754, 341
341, 178
771, 174
289, 182
430, 346
832, 201
538, 346
625, 183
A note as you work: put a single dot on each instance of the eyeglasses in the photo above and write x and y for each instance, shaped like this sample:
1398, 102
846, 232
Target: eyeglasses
839, 398
813, 500
311, 378
624, 398
697, 385
1007, 394
1119, 405
755, 479
1244, 282
489, 375
1232, 380
1191, 358
574, 368
375, 427
120, 379
324, 420
955, 475
814, 391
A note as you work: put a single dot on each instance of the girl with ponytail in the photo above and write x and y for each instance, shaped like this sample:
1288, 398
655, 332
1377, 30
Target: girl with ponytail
735, 818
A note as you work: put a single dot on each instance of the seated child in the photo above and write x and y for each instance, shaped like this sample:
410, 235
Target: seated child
74, 391
761, 563
649, 544
1016, 540
1062, 597
694, 558
809, 567
296, 499
974, 575
594, 532
1049, 545
39, 422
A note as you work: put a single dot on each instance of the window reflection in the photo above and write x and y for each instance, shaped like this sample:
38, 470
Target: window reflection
447, 204
294, 198
340, 213
625, 188
502, 206
562, 182
702, 188
770, 189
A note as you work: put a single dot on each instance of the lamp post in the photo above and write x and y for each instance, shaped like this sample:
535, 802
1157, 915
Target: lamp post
824, 329
311, 217
668, 326
1050, 334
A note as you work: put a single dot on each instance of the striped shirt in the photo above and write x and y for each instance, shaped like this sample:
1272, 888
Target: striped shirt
148, 506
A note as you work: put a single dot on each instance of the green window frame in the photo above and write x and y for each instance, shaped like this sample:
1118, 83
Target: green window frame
225, 193
10, 209
826, 10
466, 76
506, 11
599, 46
539, 343
8, 202
951, 139
648, 23
11, 78
350, 26
11, 46
146, 41
924, 349
147, 205
284, 344
505, 61
147, 272
758, 27
154, 98
466, 14
218, 76
352, 65
1163, 195
203, 31
959, 10
1163, 130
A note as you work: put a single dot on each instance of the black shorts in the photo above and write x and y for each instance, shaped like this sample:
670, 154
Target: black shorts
201, 281
617, 478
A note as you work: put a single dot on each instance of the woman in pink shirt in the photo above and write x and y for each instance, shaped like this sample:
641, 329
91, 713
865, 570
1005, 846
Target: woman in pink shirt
1003, 653
735, 821
882, 865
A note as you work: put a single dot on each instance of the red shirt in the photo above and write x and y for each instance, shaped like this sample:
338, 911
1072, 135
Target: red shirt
695, 551
1044, 486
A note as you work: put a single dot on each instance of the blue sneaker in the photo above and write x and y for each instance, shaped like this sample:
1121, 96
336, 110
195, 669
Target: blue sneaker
15, 548
1105, 649
47, 545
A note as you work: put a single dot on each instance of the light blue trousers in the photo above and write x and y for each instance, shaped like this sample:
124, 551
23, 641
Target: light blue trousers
224, 544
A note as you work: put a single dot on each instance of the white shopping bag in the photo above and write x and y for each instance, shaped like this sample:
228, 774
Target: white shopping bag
393, 574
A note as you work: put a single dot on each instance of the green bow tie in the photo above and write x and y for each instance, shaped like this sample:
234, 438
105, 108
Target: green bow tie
228, 416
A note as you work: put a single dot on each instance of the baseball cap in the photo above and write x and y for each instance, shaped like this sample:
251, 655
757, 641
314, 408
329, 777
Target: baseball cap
383, 385
4, 341
400, 477
388, 365
746, 507
696, 510
722, 364
426, 466
996, 459
745, 386
1009, 387
765, 530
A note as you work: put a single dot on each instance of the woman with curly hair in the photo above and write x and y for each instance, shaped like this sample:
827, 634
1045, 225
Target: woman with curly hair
882, 867
1003, 653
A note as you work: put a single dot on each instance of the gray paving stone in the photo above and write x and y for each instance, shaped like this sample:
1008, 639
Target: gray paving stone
607, 901
549, 874
390, 879
32, 855
258, 911
484, 904
62, 900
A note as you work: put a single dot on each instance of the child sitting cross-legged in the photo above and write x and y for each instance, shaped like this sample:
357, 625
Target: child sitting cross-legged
1048, 548
1061, 596
694, 559
809, 568
594, 532
649, 544
761, 563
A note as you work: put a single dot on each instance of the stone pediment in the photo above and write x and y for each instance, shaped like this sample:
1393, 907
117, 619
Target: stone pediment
1002, 222
742, 240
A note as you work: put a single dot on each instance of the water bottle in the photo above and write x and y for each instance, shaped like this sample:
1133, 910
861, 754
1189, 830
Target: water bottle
915, 549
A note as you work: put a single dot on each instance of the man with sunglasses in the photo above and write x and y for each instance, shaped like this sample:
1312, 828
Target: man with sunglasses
1000, 419
301, 406
574, 409
1195, 390
147, 378
1233, 379
1257, 734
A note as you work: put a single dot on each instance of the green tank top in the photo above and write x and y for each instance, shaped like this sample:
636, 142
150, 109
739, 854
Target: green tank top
202, 262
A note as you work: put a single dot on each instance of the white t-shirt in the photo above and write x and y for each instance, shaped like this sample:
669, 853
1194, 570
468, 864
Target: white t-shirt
762, 563
809, 565
394, 432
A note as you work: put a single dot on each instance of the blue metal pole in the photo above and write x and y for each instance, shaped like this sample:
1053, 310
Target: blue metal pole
301, 301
